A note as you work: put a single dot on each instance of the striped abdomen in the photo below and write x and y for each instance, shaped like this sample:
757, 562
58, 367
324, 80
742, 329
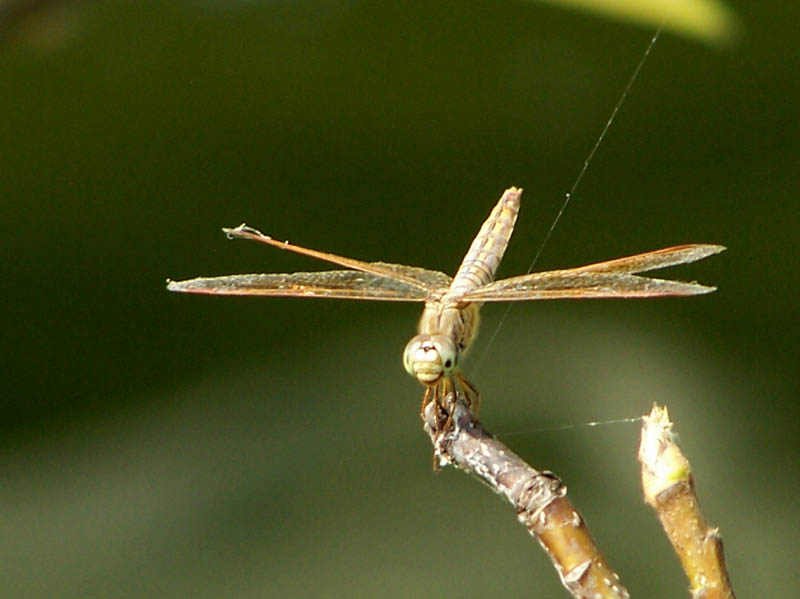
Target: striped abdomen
484, 255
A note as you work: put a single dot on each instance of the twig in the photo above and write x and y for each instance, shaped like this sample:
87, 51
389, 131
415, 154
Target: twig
539, 499
669, 488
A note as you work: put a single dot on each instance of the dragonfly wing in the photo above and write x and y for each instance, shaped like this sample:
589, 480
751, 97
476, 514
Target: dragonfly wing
613, 278
432, 280
572, 285
334, 284
672, 256
428, 280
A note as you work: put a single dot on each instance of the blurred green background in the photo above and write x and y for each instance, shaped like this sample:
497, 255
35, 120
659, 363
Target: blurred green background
158, 445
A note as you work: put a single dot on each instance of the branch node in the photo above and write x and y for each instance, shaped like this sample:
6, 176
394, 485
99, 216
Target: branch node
668, 486
539, 498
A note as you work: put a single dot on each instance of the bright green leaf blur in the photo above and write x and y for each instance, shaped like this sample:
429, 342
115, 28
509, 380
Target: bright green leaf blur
709, 20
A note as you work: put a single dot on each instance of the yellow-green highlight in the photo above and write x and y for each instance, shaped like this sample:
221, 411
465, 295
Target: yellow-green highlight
706, 20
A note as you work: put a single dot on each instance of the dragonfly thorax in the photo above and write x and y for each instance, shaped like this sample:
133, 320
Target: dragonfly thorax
430, 357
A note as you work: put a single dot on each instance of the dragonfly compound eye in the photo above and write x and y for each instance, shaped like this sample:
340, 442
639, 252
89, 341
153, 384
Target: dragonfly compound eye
429, 357
448, 354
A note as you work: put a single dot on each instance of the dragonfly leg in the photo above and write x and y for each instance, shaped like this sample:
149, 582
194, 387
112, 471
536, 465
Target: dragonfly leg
426, 400
471, 394
444, 395
436, 394
448, 401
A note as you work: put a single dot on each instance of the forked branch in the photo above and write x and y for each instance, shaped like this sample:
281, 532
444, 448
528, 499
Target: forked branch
539, 498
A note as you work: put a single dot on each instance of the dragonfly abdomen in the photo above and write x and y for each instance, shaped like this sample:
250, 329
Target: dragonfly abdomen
487, 249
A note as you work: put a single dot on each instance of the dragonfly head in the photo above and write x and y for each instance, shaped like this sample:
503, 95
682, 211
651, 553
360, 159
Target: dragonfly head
430, 357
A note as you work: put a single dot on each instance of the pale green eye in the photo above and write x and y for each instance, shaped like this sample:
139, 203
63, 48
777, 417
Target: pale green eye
429, 357
448, 357
408, 355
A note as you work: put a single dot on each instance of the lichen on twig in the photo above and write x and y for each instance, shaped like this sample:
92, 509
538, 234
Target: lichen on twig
539, 498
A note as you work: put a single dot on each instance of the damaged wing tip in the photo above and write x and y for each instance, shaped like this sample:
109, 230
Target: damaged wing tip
243, 230
231, 232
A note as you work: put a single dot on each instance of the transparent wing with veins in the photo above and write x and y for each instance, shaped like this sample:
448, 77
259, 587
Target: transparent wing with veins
613, 278
366, 281
382, 281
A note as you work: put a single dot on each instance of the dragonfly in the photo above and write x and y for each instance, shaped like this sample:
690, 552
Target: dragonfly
450, 316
